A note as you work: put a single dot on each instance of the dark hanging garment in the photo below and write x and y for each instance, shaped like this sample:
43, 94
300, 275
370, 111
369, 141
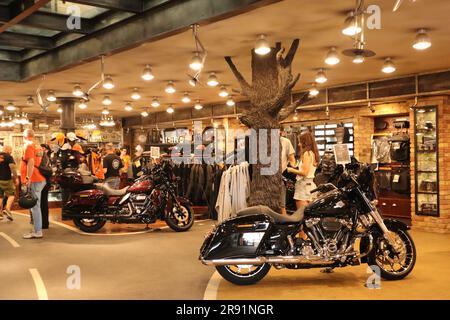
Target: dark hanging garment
400, 148
401, 181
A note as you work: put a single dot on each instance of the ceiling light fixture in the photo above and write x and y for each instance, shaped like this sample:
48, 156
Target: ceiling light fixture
108, 83
82, 105
295, 118
388, 66
223, 92
262, 46
145, 113
147, 74
332, 57
186, 98
321, 76
230, 102
313, 91
128, 107
59, 110
198, 105
135, 95
359, 58
193, 82
155, 103
196, 62
107, 121
77, 92
422, 40
51, 96
351, 27
170, 109
170, 88
105, 111
212, 80
10, 106
30, 101
2, 110
107, 101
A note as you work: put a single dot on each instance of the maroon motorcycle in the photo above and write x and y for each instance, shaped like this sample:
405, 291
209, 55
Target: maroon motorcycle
152, 197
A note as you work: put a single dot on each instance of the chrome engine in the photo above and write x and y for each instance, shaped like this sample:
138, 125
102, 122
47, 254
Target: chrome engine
138, 201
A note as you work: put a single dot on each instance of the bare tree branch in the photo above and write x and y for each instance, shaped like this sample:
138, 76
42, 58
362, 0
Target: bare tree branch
291, 54
288, 110
246, 88
294, 82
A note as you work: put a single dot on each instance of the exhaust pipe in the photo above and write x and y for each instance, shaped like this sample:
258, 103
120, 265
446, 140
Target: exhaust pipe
312, 260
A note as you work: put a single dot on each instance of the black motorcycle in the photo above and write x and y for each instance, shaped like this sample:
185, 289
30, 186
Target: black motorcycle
244, 248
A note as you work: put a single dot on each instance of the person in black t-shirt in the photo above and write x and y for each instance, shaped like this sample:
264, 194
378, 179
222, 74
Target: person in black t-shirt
112, 165
8, 181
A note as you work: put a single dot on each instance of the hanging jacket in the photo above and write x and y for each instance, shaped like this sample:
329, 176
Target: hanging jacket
97, 165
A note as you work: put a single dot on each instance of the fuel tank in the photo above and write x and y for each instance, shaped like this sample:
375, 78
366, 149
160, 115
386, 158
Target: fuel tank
332, 203
144, 186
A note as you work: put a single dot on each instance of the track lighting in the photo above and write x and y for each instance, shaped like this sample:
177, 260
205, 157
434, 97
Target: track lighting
30, 101
196, 62
388, 66
145, 113
359, 58
147, 74
77, 92
51, 96
422, 40
198, 105
186, 98
351, 27
170, 88
128, 107
135, 95
313, 92
155, 103
321, 76
105, 111
82, 105
212, 80
107, 101
10, 106
230, 102
262, 46
170, 109
108, 83
332, 57
59, 110
223, 92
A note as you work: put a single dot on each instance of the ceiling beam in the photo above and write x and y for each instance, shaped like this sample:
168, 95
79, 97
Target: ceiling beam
121, 5
9, 71
152, 25
25, 41
13, 56
21, 10
55, 22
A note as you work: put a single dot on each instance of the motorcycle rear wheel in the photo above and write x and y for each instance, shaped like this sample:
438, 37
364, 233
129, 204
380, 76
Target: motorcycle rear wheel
181, 221
89, 225
243, 274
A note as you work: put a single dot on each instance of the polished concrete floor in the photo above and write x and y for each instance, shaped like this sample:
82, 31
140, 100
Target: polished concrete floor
164, 265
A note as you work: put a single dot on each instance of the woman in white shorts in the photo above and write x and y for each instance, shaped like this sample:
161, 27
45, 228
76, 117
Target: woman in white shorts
305, 174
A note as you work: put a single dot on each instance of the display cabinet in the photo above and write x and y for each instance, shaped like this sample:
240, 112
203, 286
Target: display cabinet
426, 161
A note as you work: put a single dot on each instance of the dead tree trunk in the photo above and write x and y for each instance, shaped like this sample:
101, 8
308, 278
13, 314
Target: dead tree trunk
271, 89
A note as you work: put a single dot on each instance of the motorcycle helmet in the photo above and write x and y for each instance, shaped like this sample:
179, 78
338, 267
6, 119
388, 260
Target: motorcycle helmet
27, 201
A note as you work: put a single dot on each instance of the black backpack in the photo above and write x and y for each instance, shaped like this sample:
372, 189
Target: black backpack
45, 168
400, 148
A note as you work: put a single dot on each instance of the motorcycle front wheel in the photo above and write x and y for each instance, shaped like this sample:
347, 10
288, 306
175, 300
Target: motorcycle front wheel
89, 225
243, 274
394, 266
180, 219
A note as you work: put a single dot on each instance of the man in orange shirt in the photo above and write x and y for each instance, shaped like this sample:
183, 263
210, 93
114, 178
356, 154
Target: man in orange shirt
33, 179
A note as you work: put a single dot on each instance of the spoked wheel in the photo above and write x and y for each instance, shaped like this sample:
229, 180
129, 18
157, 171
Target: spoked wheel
394, 264
181, 218
89, 225
243, 274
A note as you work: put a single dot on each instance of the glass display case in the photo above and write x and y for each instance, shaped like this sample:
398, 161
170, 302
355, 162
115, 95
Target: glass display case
426, 161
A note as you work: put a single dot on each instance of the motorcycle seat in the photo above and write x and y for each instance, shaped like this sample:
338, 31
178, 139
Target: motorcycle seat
107, 190
296, 217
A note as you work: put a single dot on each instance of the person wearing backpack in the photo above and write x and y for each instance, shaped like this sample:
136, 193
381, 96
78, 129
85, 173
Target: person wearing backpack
32, 178
8, 182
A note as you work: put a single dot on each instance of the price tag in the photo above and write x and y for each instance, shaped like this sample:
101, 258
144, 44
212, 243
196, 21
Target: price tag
396, 178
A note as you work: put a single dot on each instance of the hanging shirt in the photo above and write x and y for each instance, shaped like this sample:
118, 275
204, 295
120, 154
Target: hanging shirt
223, 204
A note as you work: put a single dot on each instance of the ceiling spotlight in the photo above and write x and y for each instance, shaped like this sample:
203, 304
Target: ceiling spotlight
198, 105
77, 92
30, 101
313, 91
105, 111
147, 74
135, 95
170, 109
223, 92
51, 96
59, 110
155, 103
422, 41
262, 46
359, 58
170, 88
145, 113
196, 62
295, 118
193, 82
351, 25
108, 83
332, 57
212, 80
230, 102
388, 66
321, 77
107, 101
10, 106
128, 107
186, 98
82, 105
